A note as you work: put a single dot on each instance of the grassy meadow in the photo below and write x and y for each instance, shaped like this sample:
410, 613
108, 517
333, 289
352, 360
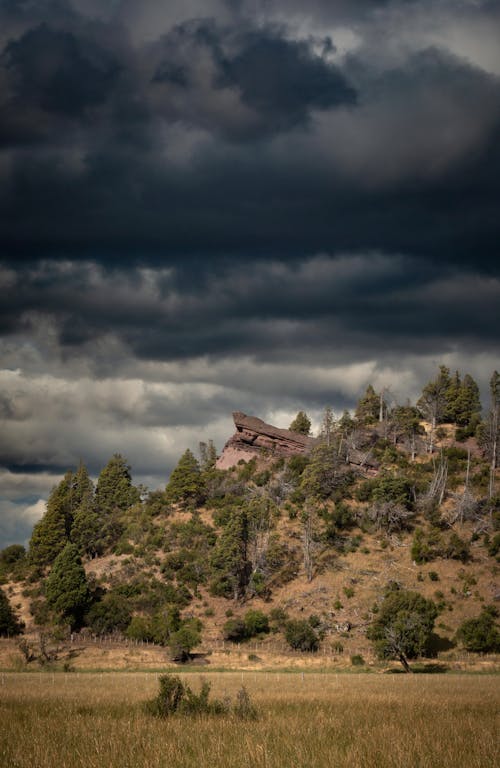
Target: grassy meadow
91, 720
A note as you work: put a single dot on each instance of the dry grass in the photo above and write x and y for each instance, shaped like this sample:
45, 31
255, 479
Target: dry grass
310, 721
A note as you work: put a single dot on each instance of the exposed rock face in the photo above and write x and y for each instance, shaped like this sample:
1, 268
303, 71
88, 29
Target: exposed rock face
253, 436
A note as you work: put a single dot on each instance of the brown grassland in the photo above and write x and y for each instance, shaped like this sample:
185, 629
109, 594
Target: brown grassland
311, 720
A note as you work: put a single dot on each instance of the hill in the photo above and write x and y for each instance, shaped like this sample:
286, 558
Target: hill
283, 556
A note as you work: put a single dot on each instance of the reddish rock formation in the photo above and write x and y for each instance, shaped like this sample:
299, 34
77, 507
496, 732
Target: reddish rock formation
253, 437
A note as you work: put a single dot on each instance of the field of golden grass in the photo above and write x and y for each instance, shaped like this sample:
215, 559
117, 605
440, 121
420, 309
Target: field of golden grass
90, 720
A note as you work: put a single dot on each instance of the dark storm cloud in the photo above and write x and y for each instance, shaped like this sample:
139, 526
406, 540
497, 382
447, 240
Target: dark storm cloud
272, 311
278, 81
239, 140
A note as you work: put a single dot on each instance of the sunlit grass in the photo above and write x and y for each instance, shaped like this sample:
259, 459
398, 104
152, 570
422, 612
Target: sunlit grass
314, 721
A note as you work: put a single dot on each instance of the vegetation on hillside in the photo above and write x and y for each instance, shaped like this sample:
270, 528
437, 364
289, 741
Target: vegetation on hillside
423, 476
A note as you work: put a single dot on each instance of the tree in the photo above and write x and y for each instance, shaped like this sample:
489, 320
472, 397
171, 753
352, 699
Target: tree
66, 588
111, 614
9, 624
186, 482
50, 534
323, 473
434, 400
491, 432
368, 407
467, 405
403, 626
229, 560
481, 635
301, 636
301, 424
327, 426
114, 486
406, 426
187, 637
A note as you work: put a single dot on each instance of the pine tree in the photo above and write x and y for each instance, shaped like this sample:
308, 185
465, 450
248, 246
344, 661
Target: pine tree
9, 625
114, 486
50, 534
301, 424
468, 405
368, 407
66, 588
327, 426
433, 401
229, 559
186, 482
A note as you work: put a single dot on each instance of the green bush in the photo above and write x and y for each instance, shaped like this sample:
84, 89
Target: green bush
256, 623
176, 697
357, 660
481, 635
433, 576
234, 630
301, 636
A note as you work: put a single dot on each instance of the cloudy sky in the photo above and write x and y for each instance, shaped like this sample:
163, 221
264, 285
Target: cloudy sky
218, 205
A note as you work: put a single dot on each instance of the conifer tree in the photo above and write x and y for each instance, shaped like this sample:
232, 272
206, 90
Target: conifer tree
66, 588
468, 405
368, 407
9, 625
301, 424
50, 534
114, 486
186, 482
229, 559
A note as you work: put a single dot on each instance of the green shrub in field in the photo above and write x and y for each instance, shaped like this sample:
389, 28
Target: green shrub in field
357, 660
176, 697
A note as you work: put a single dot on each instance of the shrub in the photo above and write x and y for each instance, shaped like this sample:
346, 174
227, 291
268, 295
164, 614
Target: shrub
301, 636
433, 576
457, 549
256, 623
234, 630
357, 660
481, 635
176, 697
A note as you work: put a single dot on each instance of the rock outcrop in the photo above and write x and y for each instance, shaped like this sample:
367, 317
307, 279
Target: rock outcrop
254, 437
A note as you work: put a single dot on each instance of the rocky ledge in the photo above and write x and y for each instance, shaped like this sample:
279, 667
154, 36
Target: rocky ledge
254, 437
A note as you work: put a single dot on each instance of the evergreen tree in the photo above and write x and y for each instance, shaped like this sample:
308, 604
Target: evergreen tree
368, 407
322, 475
208, 456
9, 625
229, 559
433, 402
301, 424
467, 410
186, 482
89, 529
452, 395
114, 486
327, 426
66, 588
50, 534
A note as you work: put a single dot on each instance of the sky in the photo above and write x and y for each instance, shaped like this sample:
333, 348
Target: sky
219, 205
